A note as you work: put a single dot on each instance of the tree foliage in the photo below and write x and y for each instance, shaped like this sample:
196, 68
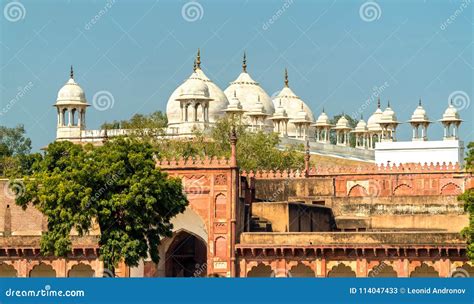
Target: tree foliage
468, 198
115, 186
254, 150
140, 125
15, 148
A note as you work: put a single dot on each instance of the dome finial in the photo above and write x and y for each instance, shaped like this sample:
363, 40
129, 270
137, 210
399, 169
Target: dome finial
235, 94
286, 77
194, 65
301, 105
258, 97
323, 110
198, 59
361, 116
244, 63
388, 104
419, 102
378, 103
72, 73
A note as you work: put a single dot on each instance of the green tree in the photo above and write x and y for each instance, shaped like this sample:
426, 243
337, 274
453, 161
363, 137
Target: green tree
116, 186
143, 126
15, 147
255, 151
468, 198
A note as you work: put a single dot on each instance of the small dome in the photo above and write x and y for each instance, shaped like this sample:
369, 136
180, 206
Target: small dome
217, 105
361, 126
388, 115
258, 108
374, 120
342, 123
292, 105
419, 115
248, 90
323, 120
234, 104
71, 93
194, 88
451, 114
280, 112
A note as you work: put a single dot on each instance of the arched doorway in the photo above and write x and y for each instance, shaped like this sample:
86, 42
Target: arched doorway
186, 256
42, 271
7, 271
382, 270
301, 271
81, 271
260, 271
424, 271
341, 271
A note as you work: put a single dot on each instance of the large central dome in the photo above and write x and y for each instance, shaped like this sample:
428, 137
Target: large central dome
248, 91
217, 104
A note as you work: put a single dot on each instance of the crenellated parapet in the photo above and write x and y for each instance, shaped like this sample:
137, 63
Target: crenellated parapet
271, 174
388, 169
194, 162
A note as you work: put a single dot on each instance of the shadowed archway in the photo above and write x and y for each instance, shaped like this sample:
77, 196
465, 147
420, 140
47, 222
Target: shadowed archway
186, 256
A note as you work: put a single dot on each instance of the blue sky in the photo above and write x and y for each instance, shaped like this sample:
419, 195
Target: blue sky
337, 54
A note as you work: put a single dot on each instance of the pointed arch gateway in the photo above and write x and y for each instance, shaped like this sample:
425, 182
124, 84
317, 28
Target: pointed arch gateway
186, 256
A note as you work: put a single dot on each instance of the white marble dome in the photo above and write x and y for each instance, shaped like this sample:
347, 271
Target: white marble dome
323, 120
342, 123
419, 115
388, 115
361, 126
451, 114
248, 90
292, 105
194, 88
71, 94
374, 120
217, 105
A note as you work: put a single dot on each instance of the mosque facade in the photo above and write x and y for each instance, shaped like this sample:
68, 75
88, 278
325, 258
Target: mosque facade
391, 216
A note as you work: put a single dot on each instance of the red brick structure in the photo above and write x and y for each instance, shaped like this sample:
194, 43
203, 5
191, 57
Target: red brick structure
323, 222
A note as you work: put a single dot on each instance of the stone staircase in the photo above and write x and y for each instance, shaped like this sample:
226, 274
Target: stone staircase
260, 225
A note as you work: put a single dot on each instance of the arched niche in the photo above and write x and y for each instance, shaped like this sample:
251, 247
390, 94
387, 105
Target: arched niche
301, 271
383, 270
42, 271
424, 271
403, 189
357, 191
221, 247
341, 271
260, 271
81, 271
7, 271
221, 206
451, 189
